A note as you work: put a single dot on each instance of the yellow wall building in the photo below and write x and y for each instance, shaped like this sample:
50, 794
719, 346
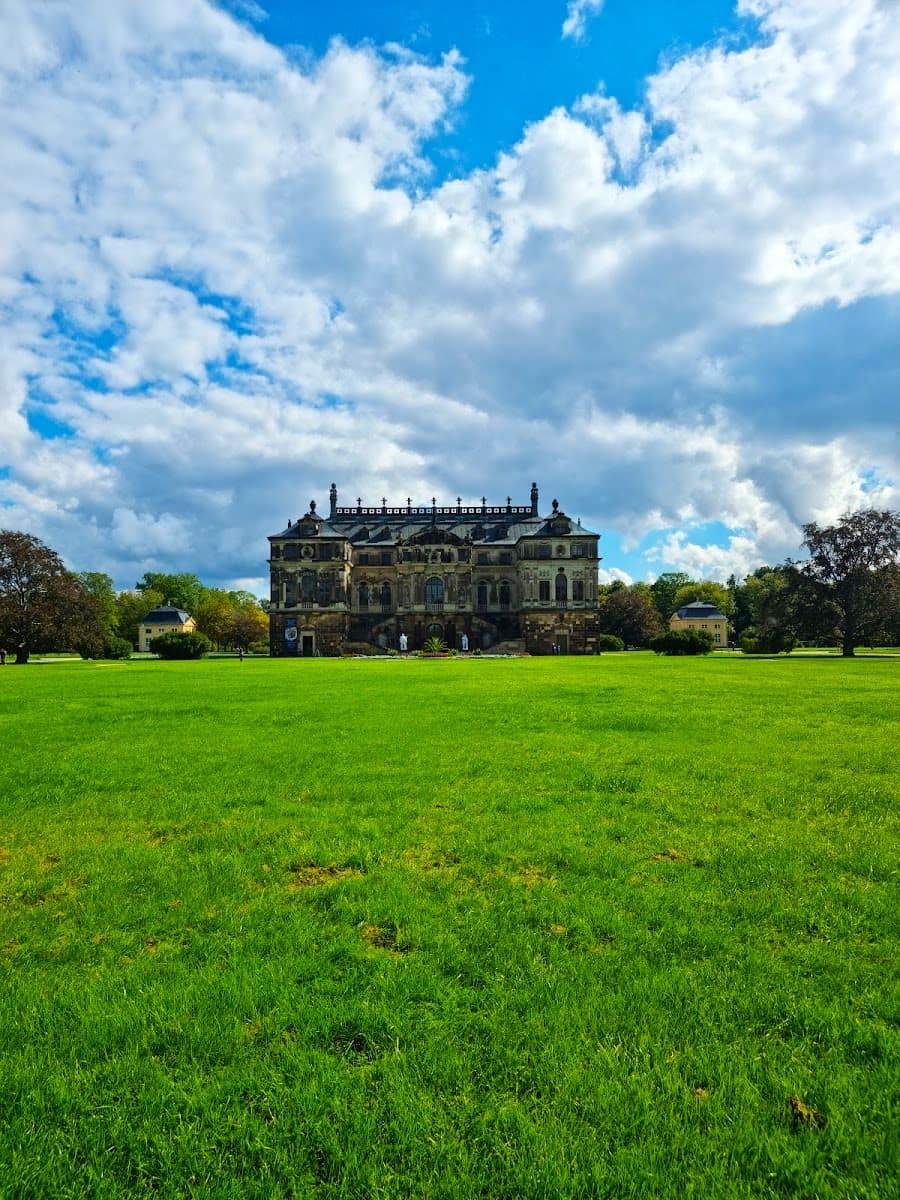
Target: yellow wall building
164, 619
702, 614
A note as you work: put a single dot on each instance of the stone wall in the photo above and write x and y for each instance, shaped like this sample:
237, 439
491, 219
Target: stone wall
575, 632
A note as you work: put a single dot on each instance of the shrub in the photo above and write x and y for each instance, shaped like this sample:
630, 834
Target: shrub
683, 641
258, 648
435, 645
770, 642
180, 645
609, 641
117, 647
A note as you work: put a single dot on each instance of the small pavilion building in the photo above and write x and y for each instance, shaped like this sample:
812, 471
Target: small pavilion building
163, 619
703, 615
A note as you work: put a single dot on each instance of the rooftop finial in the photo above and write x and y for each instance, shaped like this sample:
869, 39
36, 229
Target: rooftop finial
555, 505
312, 507
332, 495
534, 500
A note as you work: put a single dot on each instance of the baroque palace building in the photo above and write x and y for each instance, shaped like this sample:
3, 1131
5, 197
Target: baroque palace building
496, 573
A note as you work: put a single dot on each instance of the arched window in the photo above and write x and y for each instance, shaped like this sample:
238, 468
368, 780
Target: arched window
504, 595
562, 588
434, 590
307, 587
578, 589
482, 600
363, 595
385, 595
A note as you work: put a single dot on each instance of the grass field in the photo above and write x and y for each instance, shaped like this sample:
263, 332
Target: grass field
614, 927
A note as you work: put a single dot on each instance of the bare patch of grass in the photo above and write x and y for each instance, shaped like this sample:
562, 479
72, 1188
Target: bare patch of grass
314, 875
382, 938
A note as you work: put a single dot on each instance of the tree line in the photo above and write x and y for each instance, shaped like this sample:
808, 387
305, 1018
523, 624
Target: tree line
845, 593
45, 607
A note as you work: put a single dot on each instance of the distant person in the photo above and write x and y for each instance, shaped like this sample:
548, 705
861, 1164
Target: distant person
403, 643
2, 657
240, 653
464, 642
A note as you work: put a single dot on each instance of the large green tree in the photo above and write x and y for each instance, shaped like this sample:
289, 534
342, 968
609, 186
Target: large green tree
101, 588
754, 598
248, 625
665, 589
853, 563
215, 614
184, 591
42, 604
630, 614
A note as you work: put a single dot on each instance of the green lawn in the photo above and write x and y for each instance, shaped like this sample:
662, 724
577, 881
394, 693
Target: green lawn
614, 927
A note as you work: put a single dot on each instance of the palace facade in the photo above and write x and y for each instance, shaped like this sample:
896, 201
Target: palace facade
498, 574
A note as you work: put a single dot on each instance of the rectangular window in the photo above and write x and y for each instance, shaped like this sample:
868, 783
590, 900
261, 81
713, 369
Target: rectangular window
363, 560
543, 551
482, 558
506, 557
386, 558
543, 589
578, 549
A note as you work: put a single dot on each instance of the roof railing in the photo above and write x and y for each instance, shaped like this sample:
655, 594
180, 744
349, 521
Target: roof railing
449, 510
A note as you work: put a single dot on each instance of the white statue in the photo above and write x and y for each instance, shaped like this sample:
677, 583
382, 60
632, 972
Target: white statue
464, 643
403, 643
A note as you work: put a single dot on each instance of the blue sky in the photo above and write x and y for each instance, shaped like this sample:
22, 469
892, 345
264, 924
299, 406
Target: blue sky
520, 67
645, 254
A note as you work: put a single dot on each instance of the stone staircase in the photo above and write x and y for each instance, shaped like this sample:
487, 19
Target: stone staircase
511, 646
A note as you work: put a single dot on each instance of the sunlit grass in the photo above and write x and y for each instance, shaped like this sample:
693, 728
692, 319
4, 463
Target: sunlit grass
532, 928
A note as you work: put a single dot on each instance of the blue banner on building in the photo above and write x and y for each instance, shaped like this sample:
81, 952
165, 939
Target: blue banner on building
290, 636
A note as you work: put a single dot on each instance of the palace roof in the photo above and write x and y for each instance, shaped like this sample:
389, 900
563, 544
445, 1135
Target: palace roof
391, 525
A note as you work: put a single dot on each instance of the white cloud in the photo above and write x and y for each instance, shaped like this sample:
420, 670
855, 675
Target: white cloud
616, 575
233, 278
739, 557
577, 15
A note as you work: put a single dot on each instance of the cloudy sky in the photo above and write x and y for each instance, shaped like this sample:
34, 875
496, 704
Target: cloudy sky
650, 259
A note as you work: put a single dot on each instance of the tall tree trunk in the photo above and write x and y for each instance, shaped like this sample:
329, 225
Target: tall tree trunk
849, 642
22, 654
